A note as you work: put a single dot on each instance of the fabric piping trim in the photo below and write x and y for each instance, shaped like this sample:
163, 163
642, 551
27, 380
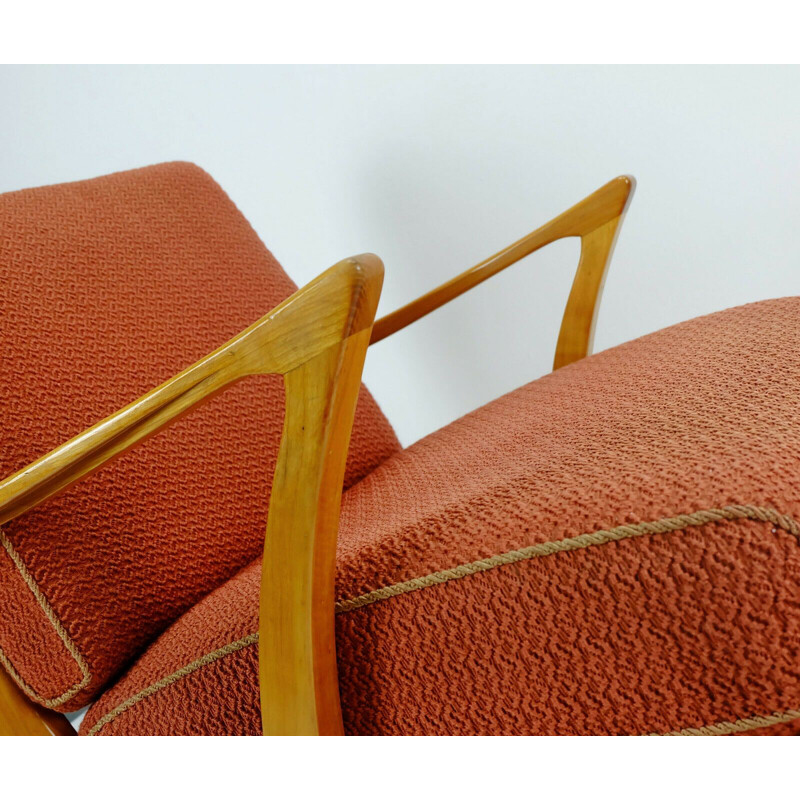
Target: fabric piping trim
53, 619
582, 541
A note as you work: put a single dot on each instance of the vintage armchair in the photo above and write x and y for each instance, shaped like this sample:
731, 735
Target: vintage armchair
612, 548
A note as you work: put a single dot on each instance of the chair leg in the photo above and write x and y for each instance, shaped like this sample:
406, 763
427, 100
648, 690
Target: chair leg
21, 717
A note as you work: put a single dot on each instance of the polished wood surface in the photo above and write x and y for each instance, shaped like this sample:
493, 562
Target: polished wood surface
595, 220
21, 717
576, 337
317, 339
300, 328
297, 646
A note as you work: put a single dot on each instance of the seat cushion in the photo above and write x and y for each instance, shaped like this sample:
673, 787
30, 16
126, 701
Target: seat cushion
611, 549
110, 287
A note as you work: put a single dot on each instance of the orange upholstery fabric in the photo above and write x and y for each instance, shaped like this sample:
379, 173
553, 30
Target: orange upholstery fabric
111, 286
594, 621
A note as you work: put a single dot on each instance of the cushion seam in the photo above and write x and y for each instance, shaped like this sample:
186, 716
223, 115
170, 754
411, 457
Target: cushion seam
203, 661
582, 541
726, 728
57, 626
663, 525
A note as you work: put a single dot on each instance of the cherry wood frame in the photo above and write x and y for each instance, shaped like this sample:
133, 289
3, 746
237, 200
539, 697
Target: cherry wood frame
596, 220
317, 339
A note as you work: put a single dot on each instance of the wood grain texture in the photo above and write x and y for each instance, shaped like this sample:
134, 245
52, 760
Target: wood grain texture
317, 339
19, 716
576, 337
297, 645
595, 220
304, 325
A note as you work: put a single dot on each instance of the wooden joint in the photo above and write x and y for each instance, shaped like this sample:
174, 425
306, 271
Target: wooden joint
595, 220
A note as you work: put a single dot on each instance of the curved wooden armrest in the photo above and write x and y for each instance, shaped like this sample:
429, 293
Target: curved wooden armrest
595, 219
19, 716
321, 315
317, 339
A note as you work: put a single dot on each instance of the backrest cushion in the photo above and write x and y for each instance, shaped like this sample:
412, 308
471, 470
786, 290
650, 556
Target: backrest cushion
109, 287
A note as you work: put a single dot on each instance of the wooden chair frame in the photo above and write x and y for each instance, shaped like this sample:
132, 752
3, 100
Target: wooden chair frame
317, 339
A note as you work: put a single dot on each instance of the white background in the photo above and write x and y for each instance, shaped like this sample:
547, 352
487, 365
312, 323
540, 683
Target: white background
435, 168
716, 157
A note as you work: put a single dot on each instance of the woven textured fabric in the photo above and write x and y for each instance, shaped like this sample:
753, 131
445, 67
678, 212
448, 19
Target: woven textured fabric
111, 286
647, 502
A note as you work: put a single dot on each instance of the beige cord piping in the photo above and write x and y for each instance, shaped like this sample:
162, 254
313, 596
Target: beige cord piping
59, 629
740, 726
203, 661
664, 525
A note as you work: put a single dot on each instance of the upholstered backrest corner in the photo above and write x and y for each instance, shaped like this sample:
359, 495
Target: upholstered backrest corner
110, 286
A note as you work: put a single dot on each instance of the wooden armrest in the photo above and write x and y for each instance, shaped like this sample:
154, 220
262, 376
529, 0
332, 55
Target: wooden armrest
317, 339
595, 219
321, 315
